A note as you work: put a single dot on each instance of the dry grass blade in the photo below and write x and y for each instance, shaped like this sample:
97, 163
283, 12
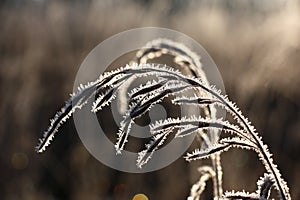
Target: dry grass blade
197, 189
170, 82
183, 56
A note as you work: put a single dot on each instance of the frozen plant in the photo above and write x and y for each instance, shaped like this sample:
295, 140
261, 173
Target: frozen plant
170, 82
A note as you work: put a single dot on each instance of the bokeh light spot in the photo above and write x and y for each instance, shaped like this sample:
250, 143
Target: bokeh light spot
140, 197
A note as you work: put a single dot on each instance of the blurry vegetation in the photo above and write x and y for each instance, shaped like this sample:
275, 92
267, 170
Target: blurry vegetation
255, 44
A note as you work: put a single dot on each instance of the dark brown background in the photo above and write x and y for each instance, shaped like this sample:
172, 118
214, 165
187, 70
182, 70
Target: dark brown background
256, 46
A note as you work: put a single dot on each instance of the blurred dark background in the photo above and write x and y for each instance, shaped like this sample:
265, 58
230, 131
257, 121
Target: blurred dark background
255, 44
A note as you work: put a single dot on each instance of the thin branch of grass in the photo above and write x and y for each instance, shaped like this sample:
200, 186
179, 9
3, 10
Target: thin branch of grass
170, 82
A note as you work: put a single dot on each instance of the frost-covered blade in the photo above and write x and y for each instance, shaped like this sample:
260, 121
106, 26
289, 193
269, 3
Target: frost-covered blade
158, 140
264, 185
205, 153
75, 102
195, 100
242, 195
140, 92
